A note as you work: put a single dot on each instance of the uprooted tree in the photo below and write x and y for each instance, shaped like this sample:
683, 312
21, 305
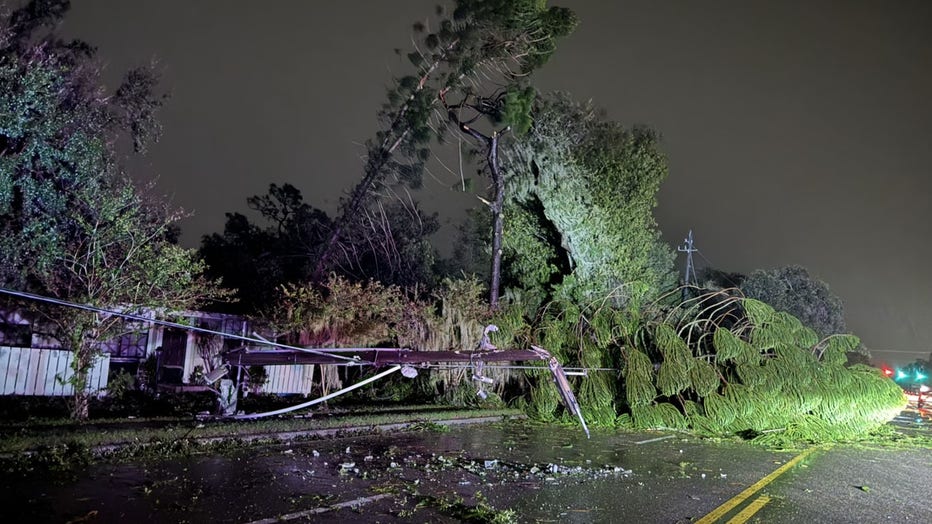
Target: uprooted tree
498, 42
72, 225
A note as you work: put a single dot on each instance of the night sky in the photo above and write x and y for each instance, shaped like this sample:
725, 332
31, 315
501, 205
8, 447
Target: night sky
797, 132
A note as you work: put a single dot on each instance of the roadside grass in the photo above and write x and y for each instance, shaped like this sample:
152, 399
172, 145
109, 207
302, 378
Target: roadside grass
40, 434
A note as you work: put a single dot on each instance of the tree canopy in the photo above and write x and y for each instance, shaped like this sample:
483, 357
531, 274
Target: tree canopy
794, 290
72, 224
581, 193
389, 243
494, 42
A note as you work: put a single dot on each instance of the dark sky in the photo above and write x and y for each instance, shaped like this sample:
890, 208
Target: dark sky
797, 132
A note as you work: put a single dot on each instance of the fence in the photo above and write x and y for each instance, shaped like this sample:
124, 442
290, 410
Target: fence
45, 372
294, 378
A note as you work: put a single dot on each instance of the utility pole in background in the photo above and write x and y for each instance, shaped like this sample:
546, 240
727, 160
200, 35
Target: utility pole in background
689, 279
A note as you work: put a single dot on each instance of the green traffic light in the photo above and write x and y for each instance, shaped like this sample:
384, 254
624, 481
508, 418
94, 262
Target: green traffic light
900, 375
920, 376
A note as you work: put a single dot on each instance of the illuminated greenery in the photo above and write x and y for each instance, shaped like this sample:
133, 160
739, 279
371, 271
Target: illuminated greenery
776, 382
581, 197
729, 367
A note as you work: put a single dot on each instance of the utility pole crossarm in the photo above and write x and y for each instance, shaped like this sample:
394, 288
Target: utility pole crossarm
690, 275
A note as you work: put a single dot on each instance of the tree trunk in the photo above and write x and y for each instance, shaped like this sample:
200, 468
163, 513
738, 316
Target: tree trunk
80, 404
83, 340
498, 204
498, 220
375, 165
80, 367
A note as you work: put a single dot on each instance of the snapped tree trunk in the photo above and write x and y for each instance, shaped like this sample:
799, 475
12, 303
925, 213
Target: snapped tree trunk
497, 206
498, 220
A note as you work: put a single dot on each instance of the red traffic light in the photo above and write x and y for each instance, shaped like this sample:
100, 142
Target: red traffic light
888, 372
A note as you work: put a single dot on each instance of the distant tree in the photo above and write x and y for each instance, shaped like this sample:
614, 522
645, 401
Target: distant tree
388, 243
915, 370
500, 40
793, 290
72, 226
714, 279
257, 258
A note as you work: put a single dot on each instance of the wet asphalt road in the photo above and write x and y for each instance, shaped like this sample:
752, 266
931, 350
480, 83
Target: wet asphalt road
541, 473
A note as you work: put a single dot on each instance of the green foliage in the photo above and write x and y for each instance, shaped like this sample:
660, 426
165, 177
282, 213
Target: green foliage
673, 375
497, 43
638, 373
531, 250
345, 313
545, 400
793, 290
72, 225
596, 391
730, 347
703, 378
657, 416
764, 382
593, 184
835, 348
516, 112
119, 384
729, 381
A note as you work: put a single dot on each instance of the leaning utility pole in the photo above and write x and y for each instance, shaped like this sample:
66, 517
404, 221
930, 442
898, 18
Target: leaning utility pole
690, 273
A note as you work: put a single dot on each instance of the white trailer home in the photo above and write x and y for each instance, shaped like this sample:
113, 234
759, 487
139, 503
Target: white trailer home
32, 363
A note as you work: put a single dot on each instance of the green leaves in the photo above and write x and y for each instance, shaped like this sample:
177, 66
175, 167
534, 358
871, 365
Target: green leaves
793, 290
638, 373
673, 376
72, 225
516, 112
597, 185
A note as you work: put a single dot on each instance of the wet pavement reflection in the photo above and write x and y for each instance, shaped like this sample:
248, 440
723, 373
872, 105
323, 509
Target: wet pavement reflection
539, 473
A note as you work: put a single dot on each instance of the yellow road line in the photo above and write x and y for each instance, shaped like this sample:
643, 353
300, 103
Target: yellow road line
720, 511
750, 510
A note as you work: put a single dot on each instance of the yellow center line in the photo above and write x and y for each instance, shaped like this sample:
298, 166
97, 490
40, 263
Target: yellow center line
720, 511
750, 510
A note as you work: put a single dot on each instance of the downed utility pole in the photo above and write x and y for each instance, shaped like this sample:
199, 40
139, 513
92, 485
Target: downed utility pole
563, 385
402, 359
399, 358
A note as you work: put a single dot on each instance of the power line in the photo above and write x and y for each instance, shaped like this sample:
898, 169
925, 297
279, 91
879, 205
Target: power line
722, 274
139, 318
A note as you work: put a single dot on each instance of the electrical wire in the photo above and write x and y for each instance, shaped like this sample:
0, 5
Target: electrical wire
166, 323
318, 400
